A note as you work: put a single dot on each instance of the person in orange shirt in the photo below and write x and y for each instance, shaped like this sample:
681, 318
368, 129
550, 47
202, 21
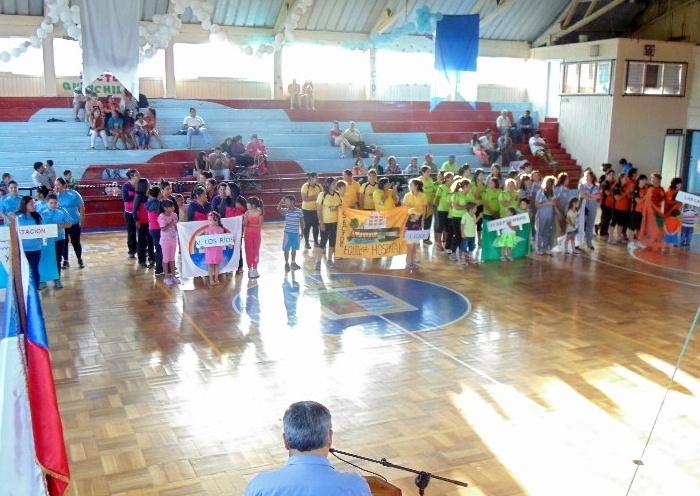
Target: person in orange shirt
638, 194
622, 192
672, 230
670, 202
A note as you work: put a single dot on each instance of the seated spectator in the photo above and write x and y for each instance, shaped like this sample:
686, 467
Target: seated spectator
129, 128
218, 164
107, 107
238, 151
152, 127
200, 163
412, 169
507, 149
96, 121
294, 91
50, 172
488, 145
538, 148
128, 102
116, 123
478, 150
429, 162
141, 132
68, 178
193, 125
256, 148
79, 100
6, 178
525, 128
39, 176
503, 123
354, 137
92, 102
392, 167
307, 95
359, 169
376, 164
336, 138
450, 165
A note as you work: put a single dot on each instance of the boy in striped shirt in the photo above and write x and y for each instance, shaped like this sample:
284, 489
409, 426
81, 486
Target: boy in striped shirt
293, 229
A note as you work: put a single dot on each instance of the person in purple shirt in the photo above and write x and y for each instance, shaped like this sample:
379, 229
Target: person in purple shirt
308, 435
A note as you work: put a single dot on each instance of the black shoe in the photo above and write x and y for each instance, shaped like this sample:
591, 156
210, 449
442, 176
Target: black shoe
142, 265
132, 255
65, 264
81, 264
307, 246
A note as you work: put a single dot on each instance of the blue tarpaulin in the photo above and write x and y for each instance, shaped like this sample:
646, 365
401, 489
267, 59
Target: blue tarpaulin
457, 43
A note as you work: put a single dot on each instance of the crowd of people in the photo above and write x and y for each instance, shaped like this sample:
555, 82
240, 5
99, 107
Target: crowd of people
55, 202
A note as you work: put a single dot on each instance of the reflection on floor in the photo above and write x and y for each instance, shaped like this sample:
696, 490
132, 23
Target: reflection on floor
540, 376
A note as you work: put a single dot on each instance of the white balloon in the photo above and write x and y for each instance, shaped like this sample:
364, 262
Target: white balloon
34, 41
174, 30
75, 8
15, 52
22, 48
54, 17
73, 32
46, 25
222, 36
248, 50
152, 28
206, 24
5, 56
62, 3
179, 9
169, 21
65, 16
142, 41
215, 28
149, 53
295, 17
289, 36
279, 37
270, 49
157, 18
75, 17
41, 33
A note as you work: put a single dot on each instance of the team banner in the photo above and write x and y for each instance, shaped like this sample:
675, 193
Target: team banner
522, 226
684, 197
370, 234
194, 241
48, 270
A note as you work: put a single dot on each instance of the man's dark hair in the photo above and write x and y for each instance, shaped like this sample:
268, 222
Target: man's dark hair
38, 165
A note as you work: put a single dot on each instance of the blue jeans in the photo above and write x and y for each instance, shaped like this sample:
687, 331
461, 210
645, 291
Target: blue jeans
192, 131
686, 235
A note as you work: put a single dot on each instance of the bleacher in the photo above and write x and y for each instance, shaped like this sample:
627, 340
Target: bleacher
297, 141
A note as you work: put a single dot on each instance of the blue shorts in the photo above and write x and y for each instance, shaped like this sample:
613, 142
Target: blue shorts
467, 245
291, 241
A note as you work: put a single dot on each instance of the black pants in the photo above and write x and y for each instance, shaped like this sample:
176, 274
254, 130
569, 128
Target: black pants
310, 221
144, 244
455, 228
428, 221
33, 257
60, 243
605, 218
157, 251
130, 232
73, 233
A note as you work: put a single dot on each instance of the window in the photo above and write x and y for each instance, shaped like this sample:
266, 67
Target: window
656, 78
586, 78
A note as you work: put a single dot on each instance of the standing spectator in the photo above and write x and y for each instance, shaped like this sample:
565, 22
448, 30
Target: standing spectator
327, 205
168, 241
128, 195
153, 209
144, 243
689, 215
28, 216
293, 230
79, 100
50, 173
307, 95
194, 124
39, 176
294, 91
351, 198
545, 202
590, 195
72, 202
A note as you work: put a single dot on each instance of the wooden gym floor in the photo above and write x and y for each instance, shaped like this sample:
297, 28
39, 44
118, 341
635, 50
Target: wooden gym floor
548, 386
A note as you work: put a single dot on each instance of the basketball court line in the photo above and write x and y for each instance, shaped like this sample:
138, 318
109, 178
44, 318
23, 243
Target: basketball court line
597, 260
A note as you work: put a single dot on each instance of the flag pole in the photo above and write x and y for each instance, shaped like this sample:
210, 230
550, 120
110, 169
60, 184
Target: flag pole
16, 262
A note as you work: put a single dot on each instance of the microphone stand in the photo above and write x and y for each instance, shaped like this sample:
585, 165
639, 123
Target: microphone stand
422, 478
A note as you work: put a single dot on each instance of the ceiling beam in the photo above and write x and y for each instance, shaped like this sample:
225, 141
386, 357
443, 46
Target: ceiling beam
391, 12
591, 8
478, 7
546, 36
550, 36
570, 14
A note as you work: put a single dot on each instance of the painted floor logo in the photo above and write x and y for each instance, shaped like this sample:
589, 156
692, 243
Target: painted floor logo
344, 303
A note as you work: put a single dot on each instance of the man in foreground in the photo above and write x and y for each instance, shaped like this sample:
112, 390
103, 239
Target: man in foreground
307, 436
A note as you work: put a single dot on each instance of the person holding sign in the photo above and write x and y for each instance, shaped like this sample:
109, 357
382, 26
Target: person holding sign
385, 196
214, 255
413, 223
506, 239
28, 216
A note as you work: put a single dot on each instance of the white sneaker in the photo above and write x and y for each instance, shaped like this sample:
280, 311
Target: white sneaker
175, 280
168, 281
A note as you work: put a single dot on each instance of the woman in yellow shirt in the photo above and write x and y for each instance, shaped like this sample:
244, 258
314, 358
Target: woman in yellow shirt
385, 196
415, 198
309, 192
327, 205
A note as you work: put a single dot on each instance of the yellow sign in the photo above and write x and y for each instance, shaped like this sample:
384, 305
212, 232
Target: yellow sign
370, 234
